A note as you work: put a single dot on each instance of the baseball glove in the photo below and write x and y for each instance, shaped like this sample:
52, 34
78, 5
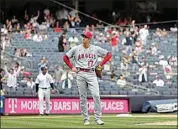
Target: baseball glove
98, 71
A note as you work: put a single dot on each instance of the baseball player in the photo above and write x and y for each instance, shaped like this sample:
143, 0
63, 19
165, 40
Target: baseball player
43, 83
86, 57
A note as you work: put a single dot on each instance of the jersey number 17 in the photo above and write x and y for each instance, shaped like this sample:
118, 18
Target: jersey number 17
90, 63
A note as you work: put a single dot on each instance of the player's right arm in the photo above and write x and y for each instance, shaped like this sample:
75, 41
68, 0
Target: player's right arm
66, 59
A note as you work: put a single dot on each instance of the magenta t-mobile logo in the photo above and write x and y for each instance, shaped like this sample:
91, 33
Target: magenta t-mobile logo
12, 104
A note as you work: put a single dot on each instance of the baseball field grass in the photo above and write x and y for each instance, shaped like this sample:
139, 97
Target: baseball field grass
76, 121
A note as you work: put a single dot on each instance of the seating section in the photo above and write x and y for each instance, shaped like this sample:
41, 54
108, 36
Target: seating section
48, 48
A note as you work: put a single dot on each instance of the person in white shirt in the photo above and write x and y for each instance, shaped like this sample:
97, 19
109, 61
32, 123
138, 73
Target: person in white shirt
143, 73
121, 81
12, 76
66, 78
43, 83
144, 32
162, 61
174, 29
73, 41
64, 15
24, 80
37, 38
34, 19
158, 82
154, 49
47, 12
30, 83
14, 20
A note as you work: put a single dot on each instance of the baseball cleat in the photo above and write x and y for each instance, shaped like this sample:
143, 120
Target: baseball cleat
47, 114
86, 122
99, 122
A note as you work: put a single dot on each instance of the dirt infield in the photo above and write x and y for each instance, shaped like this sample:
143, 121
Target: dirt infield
160, 123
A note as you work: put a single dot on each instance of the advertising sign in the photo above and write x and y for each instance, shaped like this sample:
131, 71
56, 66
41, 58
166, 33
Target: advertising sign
63, 105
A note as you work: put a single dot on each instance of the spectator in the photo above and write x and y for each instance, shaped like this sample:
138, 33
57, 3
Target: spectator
12, 77
18, 29
159, 82
66, 78
77, 20
57, 28
73, 41
25, 53
66, 25
58, 74
37, 37
1, 81
71, 19
114, 43
24, 80
143, 73
17, 67
174, 29
158, 32
162, 61
53, 21
127, 41
93, 30
101, 38
124, 69
172, 60
46, 13
138, 47
26, 17
164, 33
43, 63
121, 81
168, 71
154, 49
64, 15
62, 43
134, 60
30, 83
9, 27
4, 30
99, 24
144, 32
27, 34
35, 18
3, 42
73, 12
17, 52
14, 20
113, 76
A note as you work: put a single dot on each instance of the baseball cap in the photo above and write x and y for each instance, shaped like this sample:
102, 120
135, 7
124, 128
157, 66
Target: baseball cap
87, 34
45, 67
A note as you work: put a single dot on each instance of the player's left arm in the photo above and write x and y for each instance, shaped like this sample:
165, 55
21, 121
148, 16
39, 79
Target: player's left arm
104, 53
51, 82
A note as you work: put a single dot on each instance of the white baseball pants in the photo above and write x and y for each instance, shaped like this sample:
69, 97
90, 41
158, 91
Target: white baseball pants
41, 94
85, 81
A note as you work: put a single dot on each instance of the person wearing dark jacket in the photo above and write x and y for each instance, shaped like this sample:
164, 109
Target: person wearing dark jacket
62, 43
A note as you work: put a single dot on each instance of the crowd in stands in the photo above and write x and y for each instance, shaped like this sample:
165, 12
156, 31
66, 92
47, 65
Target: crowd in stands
131, 40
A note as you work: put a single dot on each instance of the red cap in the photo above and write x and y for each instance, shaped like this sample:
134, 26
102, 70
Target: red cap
87, 34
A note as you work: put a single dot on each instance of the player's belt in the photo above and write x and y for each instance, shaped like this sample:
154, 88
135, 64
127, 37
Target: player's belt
44, 88
86, 70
